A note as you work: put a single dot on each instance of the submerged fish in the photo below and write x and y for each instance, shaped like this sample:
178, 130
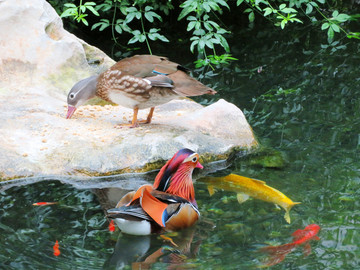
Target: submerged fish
44, 203
56, 249
246, 187
301, 237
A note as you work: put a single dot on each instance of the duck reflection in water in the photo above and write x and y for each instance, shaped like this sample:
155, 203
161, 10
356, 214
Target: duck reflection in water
142, 251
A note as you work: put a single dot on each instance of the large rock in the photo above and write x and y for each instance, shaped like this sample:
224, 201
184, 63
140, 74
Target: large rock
40, 61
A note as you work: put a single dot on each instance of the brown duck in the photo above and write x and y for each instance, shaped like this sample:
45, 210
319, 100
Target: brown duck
138, 82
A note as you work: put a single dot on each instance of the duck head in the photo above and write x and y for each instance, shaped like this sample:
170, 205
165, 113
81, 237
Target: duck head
175, 177
80, 93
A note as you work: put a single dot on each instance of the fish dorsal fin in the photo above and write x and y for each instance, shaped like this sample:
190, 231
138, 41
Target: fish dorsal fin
298, 234
241, 197
153, 207
211, 190
235, 177
259, 181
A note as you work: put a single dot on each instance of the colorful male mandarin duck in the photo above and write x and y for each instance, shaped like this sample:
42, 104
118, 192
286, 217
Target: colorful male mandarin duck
167, 205
138, 82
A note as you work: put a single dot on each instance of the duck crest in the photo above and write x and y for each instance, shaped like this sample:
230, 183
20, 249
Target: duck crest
175, 176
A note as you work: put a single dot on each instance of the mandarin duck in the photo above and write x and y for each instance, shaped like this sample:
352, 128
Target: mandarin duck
167, 205
138, 82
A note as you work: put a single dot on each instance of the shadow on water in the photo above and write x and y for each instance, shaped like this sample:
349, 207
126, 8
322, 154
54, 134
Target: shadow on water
301, 97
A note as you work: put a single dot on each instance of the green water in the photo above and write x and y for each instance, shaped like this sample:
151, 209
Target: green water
304, 104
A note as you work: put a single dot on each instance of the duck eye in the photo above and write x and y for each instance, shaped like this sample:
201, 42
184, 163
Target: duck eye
194, 159
72, 95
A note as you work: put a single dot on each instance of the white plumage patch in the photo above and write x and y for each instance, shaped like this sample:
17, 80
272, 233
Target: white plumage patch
133, 227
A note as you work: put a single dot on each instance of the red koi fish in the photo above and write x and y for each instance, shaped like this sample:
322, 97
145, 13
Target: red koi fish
56, 249
44, 203
301, 237
111, 226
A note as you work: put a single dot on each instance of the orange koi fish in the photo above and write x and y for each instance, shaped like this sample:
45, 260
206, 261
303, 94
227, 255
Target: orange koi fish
56, 249
44, 203
112, 226
301, 237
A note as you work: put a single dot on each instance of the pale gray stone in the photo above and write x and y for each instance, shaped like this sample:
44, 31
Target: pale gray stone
40, 62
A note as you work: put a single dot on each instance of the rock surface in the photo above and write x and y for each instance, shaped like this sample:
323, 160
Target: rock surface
39, 63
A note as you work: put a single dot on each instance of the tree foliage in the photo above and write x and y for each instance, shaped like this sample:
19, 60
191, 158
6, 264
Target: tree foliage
202, 19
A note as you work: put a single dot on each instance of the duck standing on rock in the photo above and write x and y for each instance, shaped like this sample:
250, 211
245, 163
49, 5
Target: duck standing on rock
167, 205
138, 82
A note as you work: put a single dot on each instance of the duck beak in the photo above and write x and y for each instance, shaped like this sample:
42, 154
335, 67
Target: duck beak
70, 112
198, 165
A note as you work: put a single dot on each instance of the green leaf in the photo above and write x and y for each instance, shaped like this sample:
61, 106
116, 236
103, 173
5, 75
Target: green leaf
330, 34
93, 10
117, 29
151, 36
282, 6
206, 7
142, 38
199, 32
84, 21
149, 16
185, 12
133, 40
208, 26
267, 11
221, 31
282, 24
126, 28
197, 25
354, 35
289, 10
90, 4
214, 24
335, 13
335, 27
309, 8
191, 25
209, 44
239, 2
325, 26
129, 17
201, 45
251, 16
193, 44
222, 3
191, 18
69, 12
343, 17
162, 38
224, 43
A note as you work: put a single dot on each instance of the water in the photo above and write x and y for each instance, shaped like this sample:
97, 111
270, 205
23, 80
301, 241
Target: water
302, 102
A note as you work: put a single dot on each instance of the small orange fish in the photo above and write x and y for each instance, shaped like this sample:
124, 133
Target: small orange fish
56, 249
44, 203
112, 226
301, 237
